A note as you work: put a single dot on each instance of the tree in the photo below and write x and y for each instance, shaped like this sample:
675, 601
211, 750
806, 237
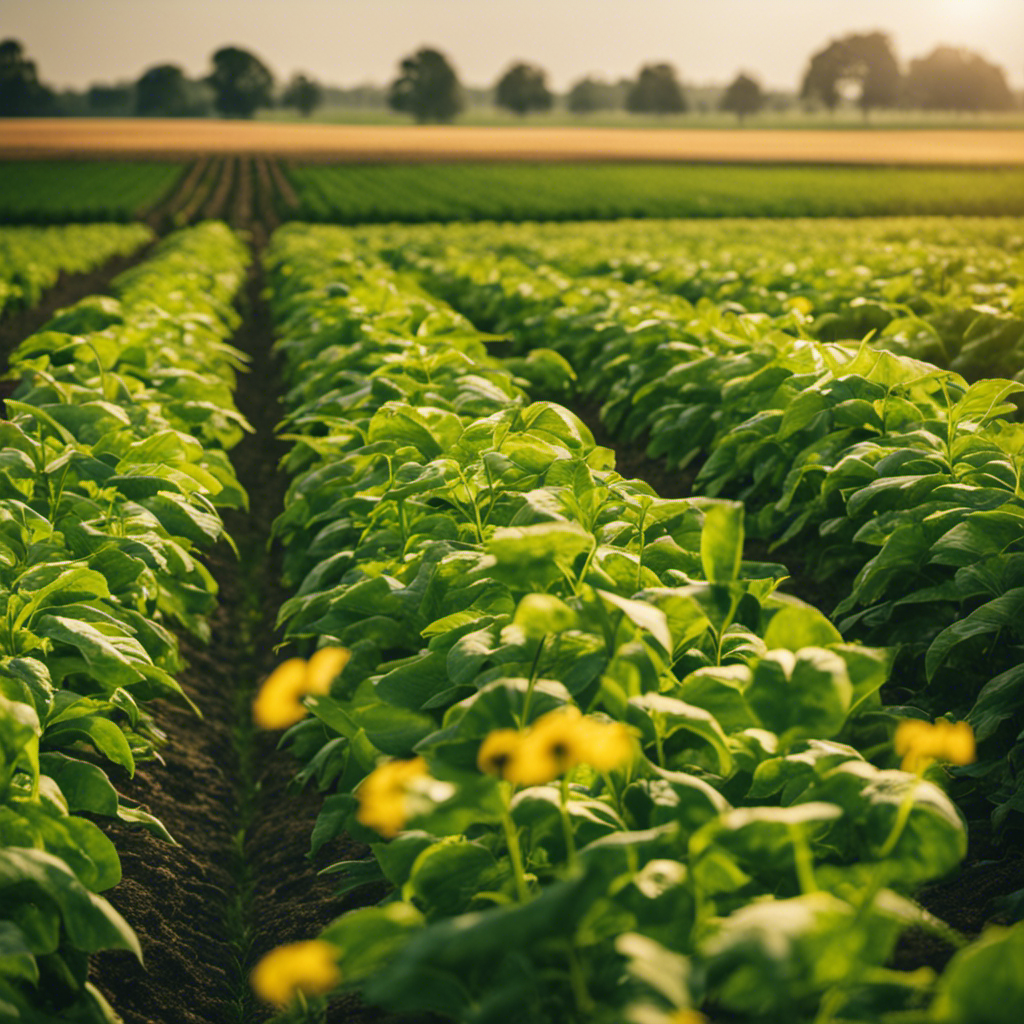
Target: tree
241, 82
743, 97
116, 100
656, 91
523, 88
21, 92
590, 94
162, 91
427, 87
953, 78
303, 94
864, 61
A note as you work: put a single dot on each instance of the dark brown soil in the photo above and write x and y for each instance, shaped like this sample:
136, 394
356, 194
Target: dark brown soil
633, 462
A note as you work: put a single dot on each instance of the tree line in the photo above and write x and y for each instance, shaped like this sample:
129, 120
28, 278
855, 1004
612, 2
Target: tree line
858, 67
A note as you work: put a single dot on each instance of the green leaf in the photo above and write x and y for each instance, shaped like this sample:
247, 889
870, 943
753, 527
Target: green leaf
92, 924
657, 715
85, 786
646, 617
102, 733
447, 877
367, 939
110, 666
1005, 612
983, 983
806, 694
721, 541
797, 625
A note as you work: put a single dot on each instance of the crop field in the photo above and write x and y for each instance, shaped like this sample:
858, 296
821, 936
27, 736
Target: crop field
499, 614
169, 138
354, 194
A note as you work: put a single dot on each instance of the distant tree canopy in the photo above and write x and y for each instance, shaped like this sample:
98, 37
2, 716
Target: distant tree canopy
427, 87
656, 91
241, 82
954, 78
866, 61
743, 97
162, 91
111, 99
21, 92
590, 94
303, 94
523, 88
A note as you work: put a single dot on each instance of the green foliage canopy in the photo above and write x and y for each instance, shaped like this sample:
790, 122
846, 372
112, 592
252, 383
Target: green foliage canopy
955, 78
427, 87
523, 88
865, 60
241, 82
743, 97
21, 92
656, 91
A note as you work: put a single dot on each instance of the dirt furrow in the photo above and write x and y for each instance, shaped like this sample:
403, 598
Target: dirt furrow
240, 882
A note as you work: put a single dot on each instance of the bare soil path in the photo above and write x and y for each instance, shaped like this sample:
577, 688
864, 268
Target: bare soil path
50, 137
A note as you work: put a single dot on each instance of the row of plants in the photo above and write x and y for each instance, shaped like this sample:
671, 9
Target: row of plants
113, 472
32, 259
950, 292
898, 483
57, 191
516, 191
606, 769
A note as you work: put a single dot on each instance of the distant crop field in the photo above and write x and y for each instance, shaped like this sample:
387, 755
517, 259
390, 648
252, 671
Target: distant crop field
49, 191
50, 137
359, 193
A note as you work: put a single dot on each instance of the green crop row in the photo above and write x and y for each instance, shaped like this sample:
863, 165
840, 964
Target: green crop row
114, 467
950, 292
55, 191
898, 483
619, 774
32, 259
359, 193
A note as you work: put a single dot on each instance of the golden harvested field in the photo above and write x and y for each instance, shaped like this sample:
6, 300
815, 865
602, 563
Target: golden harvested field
101, 137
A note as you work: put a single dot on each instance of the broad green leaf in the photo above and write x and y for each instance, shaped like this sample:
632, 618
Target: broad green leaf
721, 542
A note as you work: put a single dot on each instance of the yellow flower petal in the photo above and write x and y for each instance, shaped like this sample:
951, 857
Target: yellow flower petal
921, 743
605, 745
383, 800
308, 967
688, 1017
323, 668
548, 750
278, 703
496, 751
959, 744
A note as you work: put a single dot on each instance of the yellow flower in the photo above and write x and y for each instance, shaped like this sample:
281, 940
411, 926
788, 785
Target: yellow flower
549, 749
383, 795
279, 701
687, 1017
604, 745
497, 750
919, 743
307, 967
323, 668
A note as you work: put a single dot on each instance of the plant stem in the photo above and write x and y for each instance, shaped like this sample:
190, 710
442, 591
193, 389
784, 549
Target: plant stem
803, 859
570, 839
534, 671
578, 983
515, 853
902, 817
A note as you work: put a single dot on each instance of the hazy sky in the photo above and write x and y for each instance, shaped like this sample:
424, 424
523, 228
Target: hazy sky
75, 42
